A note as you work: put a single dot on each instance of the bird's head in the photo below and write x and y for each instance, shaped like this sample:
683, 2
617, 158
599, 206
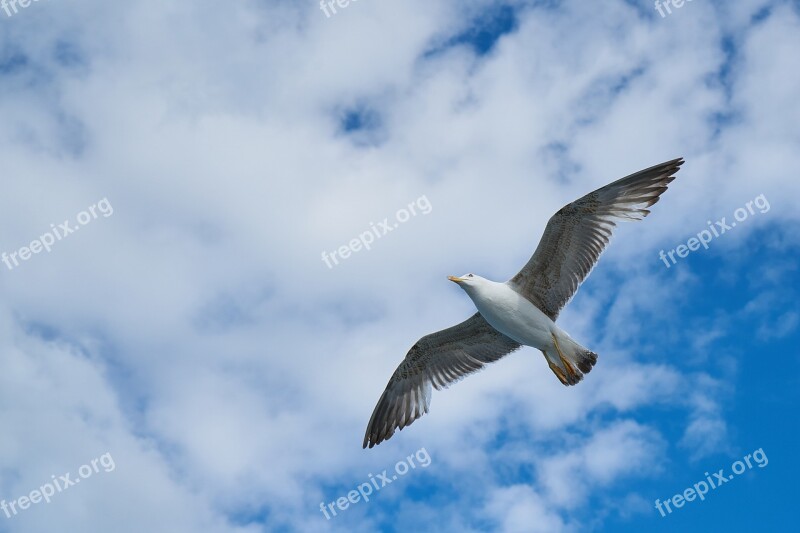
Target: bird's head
468, 281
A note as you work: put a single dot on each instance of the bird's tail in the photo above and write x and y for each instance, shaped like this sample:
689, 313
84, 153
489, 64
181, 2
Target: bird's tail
568, 360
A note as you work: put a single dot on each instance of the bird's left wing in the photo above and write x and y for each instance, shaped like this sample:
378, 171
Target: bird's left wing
579, 232
439, 359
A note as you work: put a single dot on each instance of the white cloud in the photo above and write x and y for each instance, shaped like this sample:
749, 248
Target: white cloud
519, 509
199, 338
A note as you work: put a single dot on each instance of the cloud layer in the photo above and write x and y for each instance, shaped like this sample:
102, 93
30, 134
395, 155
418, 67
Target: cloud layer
198, 337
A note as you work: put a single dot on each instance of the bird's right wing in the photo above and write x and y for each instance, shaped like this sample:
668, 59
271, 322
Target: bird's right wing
579, 232
439, 359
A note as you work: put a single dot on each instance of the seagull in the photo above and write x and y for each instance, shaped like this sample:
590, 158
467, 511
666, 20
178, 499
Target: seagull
523, 310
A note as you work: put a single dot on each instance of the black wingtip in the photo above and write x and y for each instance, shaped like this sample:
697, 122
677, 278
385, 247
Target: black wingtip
677, 162
370, 441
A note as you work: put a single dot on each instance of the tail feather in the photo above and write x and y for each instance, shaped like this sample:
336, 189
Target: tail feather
587, 360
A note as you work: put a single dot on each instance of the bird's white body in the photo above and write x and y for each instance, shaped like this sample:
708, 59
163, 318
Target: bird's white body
516, 317
511, 313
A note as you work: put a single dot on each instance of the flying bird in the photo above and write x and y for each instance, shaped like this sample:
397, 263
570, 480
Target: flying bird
523, 310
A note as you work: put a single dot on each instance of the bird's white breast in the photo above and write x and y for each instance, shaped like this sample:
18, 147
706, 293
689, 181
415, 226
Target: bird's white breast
512, 314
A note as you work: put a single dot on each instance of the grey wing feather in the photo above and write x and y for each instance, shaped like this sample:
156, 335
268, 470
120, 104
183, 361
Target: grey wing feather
439, 359
579, 232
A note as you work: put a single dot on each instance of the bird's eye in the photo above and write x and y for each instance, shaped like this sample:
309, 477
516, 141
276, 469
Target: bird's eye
469, 276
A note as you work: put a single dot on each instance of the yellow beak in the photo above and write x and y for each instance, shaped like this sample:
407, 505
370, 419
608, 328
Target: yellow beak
455, 279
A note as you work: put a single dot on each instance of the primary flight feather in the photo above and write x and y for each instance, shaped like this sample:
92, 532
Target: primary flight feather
523, 310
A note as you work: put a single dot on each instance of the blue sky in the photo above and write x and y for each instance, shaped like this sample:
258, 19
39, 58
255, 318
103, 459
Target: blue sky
193, 332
